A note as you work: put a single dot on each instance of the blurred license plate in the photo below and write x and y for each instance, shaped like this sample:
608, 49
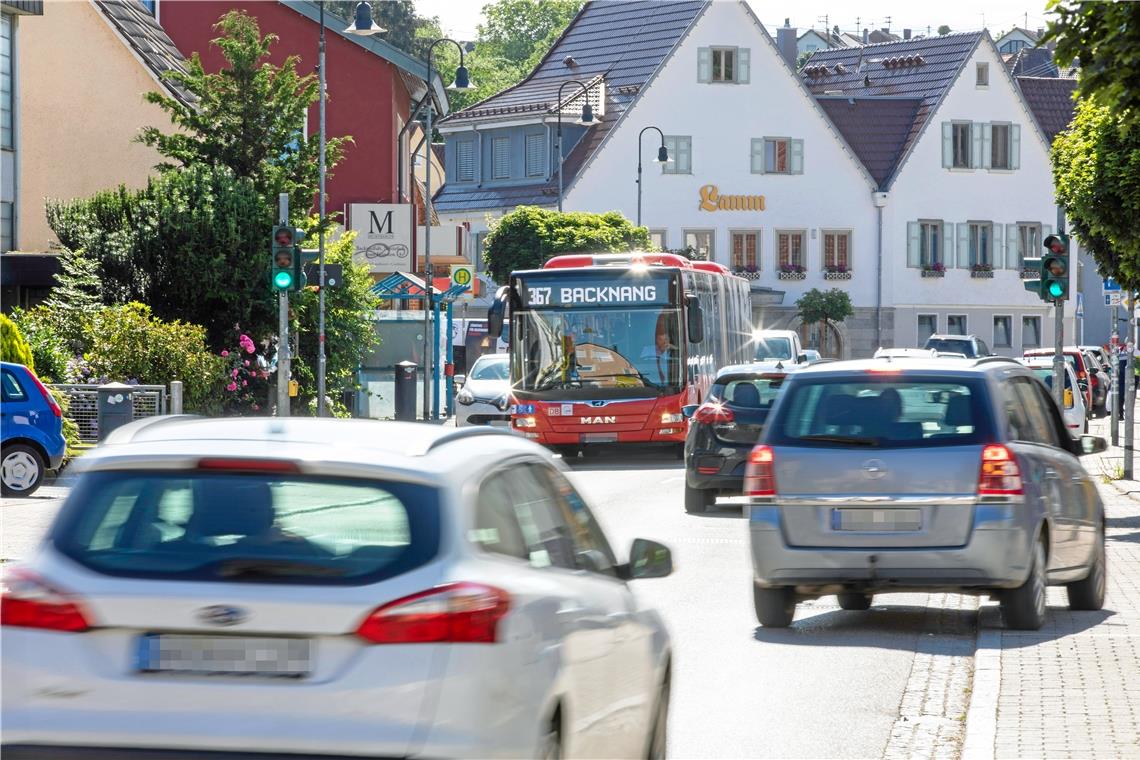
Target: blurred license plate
599, 438
224, 655
876, 519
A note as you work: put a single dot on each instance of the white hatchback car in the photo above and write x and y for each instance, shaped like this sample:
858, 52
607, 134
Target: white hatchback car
1074, 410
485, 398
264, 588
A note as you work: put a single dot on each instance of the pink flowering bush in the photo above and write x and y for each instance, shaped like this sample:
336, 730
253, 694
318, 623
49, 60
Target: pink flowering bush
246, 375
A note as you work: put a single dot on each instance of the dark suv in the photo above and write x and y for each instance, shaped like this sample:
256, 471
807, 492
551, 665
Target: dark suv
723, 430
933, 475
970, 346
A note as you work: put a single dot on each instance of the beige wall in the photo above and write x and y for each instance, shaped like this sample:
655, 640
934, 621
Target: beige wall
81, 106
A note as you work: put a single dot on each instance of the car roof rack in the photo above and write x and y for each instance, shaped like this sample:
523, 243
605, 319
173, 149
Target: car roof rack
461, 433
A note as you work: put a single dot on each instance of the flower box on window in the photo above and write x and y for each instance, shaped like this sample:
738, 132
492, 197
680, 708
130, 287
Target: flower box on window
982, 272
937, 269
791, 272
836, 273
1029, 274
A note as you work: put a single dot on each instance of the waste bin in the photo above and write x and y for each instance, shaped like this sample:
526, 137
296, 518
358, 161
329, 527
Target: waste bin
116, 407
406, 391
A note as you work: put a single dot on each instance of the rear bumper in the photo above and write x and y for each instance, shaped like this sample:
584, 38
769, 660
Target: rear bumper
993, 557
66, 752
715, 470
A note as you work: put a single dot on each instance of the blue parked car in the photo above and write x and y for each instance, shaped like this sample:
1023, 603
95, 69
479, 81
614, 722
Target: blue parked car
31, 431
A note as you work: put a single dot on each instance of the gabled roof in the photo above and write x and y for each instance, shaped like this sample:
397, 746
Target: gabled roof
930, 66
623, 43
876, 36
1038, 62
831, 38
1051, 101
142, 33
875, 128
1028, 33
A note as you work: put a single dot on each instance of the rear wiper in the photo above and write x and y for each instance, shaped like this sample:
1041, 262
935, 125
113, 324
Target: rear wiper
852, 440
273, 568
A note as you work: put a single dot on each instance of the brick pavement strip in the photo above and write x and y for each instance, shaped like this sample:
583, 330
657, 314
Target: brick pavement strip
1071, 689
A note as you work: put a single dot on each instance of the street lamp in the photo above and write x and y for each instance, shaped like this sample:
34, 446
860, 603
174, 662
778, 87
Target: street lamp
462, 82
586, 119
662, 157
363, 24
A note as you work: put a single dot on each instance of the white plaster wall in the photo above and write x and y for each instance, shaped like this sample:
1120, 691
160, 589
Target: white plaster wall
925, 190
832, 193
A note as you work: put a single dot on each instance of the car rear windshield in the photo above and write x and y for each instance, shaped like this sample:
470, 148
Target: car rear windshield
278, 528
951, 345
1045, 375
748, 391
880, 412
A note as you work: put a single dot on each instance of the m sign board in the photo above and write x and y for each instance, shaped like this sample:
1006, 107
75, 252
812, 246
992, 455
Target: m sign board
383, 236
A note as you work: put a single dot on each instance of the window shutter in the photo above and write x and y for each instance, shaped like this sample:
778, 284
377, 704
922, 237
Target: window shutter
1015, 146
987, 145
704, 64
535, 145
465, 161
997, 240
757, 155
947, 145
947, 244
975, 145
501, 158
796, 158
743, 65
686, 146
963, 244
913, 256
1013, 252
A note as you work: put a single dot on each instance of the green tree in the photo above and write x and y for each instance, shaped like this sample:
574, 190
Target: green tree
1096, 170
44, 329
1105, 37
77, 294
529, 235
944, 29
248, 117
13, 347
826, 306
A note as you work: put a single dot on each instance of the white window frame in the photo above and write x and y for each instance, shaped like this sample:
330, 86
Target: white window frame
927, 244
700, 231
993, 143
722, 50
1031, 318
975, 229
757, 233
823, 235
803, 259
496, 143
674, 143
918, 327
967, 127
993, 338
8, 136
1025, 248
965, 324
663, 235
470, 145
982, 75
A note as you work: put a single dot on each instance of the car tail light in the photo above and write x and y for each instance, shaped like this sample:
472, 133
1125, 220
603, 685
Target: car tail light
711, 413
1000, 475
28, 601
46, 394
454, 613
760, 474
229, 464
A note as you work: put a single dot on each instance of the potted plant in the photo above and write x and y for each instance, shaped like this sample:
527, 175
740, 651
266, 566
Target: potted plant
791, 272
836, 272
982, 271
934, 269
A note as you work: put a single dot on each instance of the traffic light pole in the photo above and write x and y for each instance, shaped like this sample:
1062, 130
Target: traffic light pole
283, 360
1059, 354
321, 230
1129, 392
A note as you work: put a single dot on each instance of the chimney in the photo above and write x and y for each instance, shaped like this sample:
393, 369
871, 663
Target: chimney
906, 34
1040, 32
866, 36
786, 43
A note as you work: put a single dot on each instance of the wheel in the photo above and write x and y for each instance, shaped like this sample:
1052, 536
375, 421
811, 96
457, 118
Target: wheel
21, 470
854, 600
551, 742
775, 607
698, 500
658, 732
1088, 594
1024, 607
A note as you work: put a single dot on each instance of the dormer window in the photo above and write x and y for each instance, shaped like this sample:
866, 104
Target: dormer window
725, 65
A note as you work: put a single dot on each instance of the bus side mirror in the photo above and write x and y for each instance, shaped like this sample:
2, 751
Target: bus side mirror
496, 313
695, 319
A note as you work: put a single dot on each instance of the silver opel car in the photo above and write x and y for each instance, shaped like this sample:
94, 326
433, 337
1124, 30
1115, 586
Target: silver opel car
881, 476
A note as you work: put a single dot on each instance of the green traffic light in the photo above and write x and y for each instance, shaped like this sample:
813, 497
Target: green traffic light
1056, 289
283, 280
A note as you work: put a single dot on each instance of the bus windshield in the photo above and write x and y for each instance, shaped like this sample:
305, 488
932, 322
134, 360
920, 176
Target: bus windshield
597, 348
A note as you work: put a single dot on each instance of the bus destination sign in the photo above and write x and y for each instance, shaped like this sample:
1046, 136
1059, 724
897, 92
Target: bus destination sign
594, 292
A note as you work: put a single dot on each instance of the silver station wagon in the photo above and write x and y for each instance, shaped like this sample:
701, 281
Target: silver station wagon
950, 475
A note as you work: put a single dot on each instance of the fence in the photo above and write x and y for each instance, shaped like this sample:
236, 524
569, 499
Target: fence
149, 400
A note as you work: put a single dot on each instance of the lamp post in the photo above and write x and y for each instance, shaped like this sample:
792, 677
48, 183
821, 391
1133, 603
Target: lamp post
662, 157
586, 119
462, 82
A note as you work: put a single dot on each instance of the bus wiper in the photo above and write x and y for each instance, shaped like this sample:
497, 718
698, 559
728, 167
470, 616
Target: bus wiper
254, 567
851, 440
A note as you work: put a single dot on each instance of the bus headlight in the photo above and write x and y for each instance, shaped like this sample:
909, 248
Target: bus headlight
671, 418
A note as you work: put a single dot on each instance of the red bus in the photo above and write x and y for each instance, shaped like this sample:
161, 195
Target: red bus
607, 348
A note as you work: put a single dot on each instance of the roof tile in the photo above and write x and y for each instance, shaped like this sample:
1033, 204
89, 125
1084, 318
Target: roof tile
144, 34
1051, 100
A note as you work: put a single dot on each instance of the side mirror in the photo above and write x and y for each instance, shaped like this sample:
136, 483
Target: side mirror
649, 559
803, 359
695, 319
1091, 444
459, 380
497, 311
688, 411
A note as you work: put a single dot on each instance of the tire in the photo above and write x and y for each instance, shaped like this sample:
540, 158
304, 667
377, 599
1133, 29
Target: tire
698, 500
1088, 594
657, 746
775, 607
21, 470
1023, 608
855, 600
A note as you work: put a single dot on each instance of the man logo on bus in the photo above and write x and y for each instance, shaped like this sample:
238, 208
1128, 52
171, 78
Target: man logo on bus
596, 420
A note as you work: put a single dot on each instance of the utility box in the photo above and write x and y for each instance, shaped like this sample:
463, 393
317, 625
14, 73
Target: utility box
116, 407
406, 391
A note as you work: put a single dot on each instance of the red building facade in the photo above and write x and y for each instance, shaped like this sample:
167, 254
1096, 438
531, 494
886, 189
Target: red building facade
371, 87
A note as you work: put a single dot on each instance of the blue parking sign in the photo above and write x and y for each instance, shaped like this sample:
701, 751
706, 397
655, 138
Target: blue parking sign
1110, 285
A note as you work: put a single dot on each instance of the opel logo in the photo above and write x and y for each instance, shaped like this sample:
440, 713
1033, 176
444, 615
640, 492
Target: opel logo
220, 614
873, 469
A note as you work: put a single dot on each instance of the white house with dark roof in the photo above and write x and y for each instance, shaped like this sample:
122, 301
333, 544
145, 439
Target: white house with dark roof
1018, 39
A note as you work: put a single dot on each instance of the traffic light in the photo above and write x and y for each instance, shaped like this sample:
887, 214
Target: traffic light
283, 273
1055, 268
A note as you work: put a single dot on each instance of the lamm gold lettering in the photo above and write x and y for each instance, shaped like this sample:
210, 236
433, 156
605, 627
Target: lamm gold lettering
712, 200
